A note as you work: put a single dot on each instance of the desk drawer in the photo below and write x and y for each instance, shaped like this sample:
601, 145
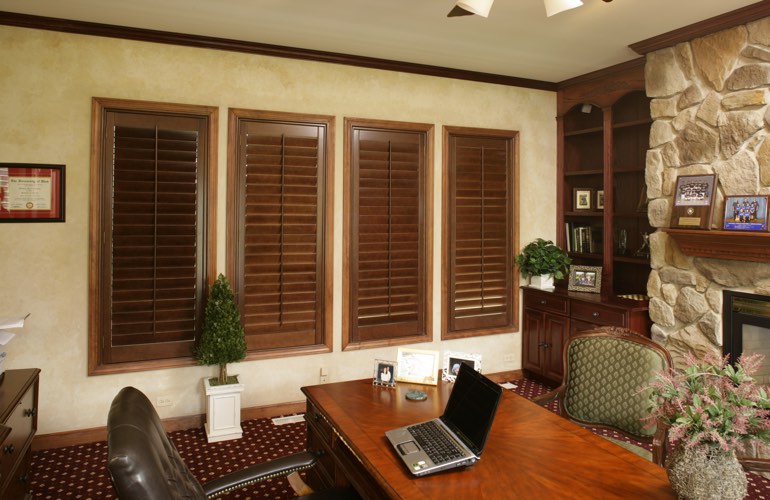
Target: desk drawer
319, 423
598, 314
16, 444
544, 301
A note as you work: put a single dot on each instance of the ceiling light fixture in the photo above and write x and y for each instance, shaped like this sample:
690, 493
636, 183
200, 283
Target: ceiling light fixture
555, 6
470, 7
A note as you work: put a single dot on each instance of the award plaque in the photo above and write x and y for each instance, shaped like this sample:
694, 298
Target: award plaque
693, 201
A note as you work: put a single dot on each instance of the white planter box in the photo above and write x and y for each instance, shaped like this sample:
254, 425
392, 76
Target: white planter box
543, 282
223, 411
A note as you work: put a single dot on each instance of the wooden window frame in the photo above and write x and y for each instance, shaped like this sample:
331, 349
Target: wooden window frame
426, 252
98, 197
234, 227
512, 137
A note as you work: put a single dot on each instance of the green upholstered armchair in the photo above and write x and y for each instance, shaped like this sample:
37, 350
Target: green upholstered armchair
604, 370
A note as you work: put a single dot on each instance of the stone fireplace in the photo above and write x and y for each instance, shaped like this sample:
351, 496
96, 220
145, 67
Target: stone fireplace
711, 115
746, 327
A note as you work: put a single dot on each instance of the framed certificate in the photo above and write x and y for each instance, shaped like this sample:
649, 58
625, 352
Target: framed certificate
31, 192
419, 366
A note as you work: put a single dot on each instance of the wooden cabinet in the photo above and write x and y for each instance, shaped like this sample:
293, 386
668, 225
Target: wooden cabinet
18, 424
551, 318
603, 135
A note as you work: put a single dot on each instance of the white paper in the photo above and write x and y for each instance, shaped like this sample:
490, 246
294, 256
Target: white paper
6, 336
16, 322
508, 385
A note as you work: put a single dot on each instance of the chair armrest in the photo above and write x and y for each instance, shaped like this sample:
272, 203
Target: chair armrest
755, 464
259, 472
548, 397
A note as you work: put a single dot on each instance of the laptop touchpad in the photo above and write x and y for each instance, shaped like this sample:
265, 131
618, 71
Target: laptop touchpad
408, 447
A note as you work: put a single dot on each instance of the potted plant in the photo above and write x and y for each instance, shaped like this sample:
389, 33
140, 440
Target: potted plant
712, 409
222, 341
541, 261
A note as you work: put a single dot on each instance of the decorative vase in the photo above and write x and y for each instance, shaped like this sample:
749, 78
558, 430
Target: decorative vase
706, 473
542, 281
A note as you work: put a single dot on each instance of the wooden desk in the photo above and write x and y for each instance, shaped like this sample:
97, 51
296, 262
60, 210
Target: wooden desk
531, 452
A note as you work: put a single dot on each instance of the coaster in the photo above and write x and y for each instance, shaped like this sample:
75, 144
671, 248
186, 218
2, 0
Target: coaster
416, 396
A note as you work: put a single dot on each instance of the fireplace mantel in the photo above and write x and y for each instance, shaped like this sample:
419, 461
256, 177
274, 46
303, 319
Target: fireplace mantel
729, 245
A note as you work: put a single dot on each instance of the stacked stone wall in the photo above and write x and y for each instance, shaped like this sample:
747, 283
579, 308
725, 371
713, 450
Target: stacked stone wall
710, 115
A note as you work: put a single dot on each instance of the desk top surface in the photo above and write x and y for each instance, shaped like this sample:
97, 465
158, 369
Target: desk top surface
530, 451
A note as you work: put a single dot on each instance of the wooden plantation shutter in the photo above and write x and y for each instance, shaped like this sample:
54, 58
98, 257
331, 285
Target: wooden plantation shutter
480, 234
281, 217
153, 245
387, 241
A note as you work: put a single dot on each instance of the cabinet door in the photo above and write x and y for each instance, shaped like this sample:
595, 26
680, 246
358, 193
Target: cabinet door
555, 338
531, 340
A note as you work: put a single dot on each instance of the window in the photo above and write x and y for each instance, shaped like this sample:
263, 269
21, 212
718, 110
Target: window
151, 233
479, 232
388, 208
280, 239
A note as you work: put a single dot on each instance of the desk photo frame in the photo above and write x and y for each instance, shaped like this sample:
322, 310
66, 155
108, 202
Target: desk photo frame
453, 360
419, 366
384, 373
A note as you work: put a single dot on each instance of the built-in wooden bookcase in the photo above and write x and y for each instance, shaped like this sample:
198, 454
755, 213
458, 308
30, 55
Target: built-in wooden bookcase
604, 127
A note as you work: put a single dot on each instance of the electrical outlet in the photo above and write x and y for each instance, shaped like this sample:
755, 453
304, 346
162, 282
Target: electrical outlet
508, 358
323, 376
164, 401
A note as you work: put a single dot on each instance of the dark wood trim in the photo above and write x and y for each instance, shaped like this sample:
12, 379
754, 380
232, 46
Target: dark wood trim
601, 75
737, 17
727, 245
146, 35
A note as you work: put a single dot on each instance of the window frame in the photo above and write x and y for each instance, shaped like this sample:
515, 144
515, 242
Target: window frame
426, 252
234, 256
99, 263
512, 138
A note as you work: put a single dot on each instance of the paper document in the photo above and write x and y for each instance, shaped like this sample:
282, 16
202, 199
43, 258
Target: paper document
16, 322
5, 336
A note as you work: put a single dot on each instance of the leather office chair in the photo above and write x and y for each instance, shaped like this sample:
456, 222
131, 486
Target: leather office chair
604, 369
145, 465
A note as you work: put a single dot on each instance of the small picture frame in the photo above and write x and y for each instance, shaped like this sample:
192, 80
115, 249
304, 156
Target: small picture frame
582, 198
453, 360
600, 199
745, 213
384, 373
693, 201
419, 366
585, 279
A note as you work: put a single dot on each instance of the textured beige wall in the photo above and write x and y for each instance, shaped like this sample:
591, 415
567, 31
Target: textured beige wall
47, 80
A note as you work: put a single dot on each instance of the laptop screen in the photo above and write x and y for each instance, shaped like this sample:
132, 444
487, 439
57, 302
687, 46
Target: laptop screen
472, 406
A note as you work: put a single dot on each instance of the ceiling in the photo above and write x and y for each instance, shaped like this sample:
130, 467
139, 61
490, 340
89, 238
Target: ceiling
516, 40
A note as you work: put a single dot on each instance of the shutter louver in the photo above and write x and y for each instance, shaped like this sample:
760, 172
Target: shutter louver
480, 260
282, 287
387, 271
155, 243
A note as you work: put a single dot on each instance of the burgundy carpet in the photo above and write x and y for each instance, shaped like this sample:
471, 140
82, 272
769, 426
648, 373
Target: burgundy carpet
81, 471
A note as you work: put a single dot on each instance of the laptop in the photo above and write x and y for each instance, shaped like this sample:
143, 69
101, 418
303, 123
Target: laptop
456, 438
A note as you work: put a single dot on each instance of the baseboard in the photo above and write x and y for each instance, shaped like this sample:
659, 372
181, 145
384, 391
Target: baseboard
95, 434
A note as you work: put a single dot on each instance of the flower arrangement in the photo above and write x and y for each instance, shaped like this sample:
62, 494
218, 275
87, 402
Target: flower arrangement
713, 403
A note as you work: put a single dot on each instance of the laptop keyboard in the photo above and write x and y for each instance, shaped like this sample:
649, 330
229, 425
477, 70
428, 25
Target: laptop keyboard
439, 447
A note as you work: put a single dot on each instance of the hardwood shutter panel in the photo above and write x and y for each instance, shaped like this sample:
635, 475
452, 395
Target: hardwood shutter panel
387, 268
281, 280
156, 250
480, 233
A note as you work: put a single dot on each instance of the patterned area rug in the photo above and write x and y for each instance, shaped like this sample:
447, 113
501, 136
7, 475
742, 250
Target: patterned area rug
81, 471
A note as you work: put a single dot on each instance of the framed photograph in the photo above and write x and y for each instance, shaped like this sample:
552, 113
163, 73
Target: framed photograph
453, 360
384, 373
31, 192
585, 279
693, 201
419, 366
583, 198
600, 199
745, 213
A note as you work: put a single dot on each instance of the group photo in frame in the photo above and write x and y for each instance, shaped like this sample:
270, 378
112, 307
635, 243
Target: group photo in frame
745, 213
693, 201
419, 366
31, 192
453, 360
582, 199
384, 373
585, 278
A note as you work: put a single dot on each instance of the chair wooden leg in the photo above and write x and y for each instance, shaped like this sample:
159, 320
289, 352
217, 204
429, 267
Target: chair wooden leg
298, 485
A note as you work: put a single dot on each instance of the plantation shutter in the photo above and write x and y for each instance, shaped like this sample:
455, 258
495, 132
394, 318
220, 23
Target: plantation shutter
480, 237
281, 278
387, 276
155, 243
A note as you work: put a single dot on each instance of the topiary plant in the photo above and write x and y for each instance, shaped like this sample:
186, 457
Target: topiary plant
543, 257
223, 339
